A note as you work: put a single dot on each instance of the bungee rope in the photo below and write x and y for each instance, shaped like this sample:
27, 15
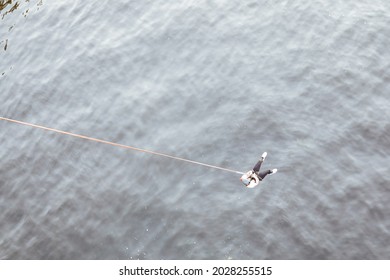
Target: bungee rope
119, 145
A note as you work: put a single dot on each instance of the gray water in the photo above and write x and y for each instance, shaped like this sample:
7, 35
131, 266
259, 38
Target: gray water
218, 82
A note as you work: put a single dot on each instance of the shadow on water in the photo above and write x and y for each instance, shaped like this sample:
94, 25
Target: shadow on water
8, 7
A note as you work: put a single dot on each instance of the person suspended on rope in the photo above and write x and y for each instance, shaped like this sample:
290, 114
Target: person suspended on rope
253, 177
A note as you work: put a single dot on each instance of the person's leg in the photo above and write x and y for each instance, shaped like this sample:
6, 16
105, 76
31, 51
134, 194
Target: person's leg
264, 173
257, 166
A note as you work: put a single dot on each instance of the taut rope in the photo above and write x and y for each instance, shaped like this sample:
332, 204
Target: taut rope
119, 145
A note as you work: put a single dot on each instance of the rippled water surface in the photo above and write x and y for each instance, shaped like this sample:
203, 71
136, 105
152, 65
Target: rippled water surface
213, 81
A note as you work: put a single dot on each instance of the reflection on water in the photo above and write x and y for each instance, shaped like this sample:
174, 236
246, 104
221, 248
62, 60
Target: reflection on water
8, 8
4, 4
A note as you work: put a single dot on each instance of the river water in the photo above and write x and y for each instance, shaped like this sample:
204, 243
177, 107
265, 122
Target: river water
218, 82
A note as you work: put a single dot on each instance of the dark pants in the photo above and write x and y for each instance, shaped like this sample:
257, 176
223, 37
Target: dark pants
262, 174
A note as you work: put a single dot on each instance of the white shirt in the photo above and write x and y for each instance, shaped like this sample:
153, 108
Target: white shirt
250, 179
